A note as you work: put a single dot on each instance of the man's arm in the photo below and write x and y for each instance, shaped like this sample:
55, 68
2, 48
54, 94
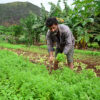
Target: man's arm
50, 47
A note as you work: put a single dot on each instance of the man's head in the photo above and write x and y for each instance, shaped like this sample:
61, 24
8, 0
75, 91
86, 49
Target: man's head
52, 24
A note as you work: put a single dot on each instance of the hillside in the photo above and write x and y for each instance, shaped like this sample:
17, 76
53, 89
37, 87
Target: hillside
10, 13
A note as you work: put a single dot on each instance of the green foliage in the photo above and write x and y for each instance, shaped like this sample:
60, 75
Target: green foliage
11, 34
93, 45
97, 37
82, 65
22, 80
97, 12
17, 30
43, 46
33, 48
41, 60
89, 73
87, 52
97, 67
8, 45
76, 65
2, 29
29, 28
7, 34
6, 30
55, 10
61, 57
83, 21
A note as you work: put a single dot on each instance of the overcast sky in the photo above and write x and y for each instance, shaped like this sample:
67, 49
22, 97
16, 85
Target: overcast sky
38, 2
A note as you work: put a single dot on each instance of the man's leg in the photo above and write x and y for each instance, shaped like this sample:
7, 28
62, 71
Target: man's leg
70, 58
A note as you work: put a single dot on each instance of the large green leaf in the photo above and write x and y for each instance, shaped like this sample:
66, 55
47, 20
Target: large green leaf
97, 37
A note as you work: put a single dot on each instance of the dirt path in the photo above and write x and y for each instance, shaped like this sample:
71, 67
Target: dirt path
43, 58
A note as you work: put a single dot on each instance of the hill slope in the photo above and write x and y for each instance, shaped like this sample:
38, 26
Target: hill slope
10, 13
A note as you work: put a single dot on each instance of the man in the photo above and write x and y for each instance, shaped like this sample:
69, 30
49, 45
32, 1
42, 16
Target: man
62, 35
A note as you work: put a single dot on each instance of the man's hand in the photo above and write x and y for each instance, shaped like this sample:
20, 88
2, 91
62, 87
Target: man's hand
51, 58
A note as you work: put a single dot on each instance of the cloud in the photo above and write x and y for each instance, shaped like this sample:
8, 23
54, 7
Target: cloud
38, 2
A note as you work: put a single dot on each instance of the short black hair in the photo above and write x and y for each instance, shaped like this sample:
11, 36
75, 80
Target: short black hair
50, 21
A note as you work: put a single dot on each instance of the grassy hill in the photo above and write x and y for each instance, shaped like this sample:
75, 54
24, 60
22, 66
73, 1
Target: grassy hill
10, 13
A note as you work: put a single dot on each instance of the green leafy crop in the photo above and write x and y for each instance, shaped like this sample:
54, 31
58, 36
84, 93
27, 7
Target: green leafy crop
61, 57
97, 67
22, 80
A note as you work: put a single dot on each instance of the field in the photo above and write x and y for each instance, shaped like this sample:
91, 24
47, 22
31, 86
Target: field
24, 75
83, 59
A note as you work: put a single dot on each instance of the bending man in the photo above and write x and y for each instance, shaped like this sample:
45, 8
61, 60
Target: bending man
63, 37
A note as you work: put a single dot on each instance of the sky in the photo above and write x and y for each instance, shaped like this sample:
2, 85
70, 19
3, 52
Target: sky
38, 2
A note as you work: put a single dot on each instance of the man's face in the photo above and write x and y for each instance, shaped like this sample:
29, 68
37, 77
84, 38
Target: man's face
53, 28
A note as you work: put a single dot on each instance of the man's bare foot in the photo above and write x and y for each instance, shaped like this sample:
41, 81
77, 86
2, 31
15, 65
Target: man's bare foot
71, 65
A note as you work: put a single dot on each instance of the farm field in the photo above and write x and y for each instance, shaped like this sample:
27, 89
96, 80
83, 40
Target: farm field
39, 54
24, 76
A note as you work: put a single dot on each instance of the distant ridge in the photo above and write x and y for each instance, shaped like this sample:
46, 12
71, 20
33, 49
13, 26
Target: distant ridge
11, 13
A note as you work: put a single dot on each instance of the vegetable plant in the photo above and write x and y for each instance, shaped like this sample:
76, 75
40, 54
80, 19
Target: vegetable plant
61, 58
